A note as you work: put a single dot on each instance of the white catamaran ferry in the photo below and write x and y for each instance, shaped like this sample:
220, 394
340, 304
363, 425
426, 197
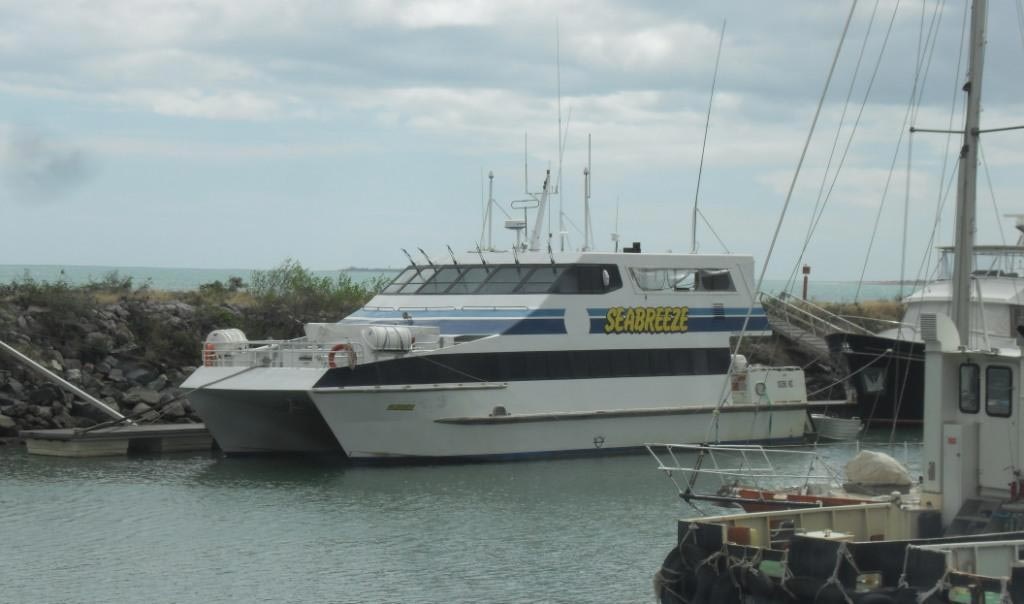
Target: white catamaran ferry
509, 354
514, 353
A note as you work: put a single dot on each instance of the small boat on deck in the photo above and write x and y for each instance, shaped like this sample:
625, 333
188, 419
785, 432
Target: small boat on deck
828, 427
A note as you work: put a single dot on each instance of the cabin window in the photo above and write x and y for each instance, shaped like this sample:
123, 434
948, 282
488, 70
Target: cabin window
470, 280
396, 285
970, 388
588, 279
715, 280
541, 279
442, 280
419, 277
684, 279
504, 280
998, 388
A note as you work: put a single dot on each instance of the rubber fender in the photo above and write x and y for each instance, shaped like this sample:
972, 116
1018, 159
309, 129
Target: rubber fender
830, 594
705, 583
877, 598
693, 555
756, 583
670, 578
804, 589
724, 590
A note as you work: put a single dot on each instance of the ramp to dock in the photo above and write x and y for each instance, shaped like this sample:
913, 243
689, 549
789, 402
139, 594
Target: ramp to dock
118, 440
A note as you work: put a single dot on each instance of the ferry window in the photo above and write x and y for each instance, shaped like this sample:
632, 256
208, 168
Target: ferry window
470, 280
504, 280
970, 388
998, 388
541, 279
588, 279
715, 280
663, 279
396, 286
418, 278
442, 280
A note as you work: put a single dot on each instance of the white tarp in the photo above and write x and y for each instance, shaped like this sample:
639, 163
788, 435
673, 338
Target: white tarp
874, 468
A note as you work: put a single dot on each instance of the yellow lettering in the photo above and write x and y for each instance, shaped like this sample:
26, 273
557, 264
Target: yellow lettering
684, 311
627, 325
619, 311
659, 320
649, 320
609, 319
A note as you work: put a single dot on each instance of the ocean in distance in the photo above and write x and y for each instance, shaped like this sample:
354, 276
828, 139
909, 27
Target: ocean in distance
205, 529
183, 279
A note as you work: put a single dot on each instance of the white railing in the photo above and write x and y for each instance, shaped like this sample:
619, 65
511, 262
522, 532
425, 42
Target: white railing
748, 465
280, 353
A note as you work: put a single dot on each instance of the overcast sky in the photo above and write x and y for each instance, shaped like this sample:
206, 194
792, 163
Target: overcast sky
238, 133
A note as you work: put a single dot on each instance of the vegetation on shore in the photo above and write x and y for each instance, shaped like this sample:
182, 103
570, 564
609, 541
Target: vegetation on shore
275, 304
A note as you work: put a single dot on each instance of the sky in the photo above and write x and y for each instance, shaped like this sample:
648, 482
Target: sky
239, 133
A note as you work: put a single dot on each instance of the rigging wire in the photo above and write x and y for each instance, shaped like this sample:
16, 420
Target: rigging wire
782, 216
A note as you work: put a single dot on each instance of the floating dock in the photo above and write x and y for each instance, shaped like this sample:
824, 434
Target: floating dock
118, 440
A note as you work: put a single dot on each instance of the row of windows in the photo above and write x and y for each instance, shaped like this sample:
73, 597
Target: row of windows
523, 366
998, 389
497, 279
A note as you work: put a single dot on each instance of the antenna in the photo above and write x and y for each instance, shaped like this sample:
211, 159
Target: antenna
561, 146
526, 163
488, 219
452, 254
538, 226
615, 234
586, 202
707, 124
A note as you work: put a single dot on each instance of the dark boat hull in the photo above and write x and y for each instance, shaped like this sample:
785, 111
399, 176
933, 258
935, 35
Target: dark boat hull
887, 375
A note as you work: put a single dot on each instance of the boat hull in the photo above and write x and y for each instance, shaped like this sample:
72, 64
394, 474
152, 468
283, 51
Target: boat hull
511, 420
246, 414
836, 428
887, 375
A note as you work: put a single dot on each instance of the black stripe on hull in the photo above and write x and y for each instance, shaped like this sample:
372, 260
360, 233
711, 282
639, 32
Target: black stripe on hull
887, 374
522, 366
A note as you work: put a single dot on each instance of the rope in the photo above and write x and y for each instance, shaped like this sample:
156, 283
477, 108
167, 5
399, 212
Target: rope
850, 375
785, 206
842, 553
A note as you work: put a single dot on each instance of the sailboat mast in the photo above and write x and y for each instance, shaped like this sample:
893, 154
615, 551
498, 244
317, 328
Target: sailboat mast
967, 178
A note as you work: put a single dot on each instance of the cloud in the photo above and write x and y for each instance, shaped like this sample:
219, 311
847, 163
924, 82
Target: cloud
37, 168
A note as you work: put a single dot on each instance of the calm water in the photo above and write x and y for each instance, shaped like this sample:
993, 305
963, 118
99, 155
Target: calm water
177, 279
206, 529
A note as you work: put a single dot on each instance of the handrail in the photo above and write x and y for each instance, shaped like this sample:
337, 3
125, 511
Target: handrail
818, 325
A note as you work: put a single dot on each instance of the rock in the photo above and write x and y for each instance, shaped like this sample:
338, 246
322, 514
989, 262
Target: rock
72, 363
138, 394
173, 410
18, 409
45, 413
44, 395
16, 388
56, 366
158, 384
73, 375
8, 427
140, 376
102, 368
116, 375
98, 344
872, 468
144, 412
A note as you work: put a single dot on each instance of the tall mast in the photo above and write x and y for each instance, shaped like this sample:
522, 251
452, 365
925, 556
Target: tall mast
963, 258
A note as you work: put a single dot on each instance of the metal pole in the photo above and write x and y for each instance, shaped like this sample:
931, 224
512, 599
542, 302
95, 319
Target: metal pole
56, 379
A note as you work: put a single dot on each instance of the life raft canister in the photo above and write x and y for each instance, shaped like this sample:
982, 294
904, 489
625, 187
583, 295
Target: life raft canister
337, 348
209, 354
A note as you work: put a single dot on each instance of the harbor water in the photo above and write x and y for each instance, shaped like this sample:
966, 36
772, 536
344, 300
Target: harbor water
202, 528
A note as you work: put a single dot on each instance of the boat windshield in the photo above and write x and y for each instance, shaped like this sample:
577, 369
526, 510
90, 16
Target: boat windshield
503, 279
989, 261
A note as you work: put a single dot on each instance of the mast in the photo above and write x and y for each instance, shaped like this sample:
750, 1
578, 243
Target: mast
963, 257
